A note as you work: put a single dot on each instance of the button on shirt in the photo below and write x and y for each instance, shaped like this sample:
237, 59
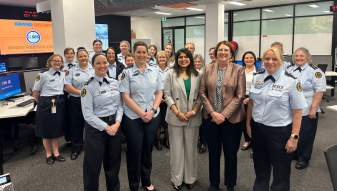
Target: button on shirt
312, 80
121, 59
77, 77
101, 98
112, 70
141, 86
50, 83
274, 101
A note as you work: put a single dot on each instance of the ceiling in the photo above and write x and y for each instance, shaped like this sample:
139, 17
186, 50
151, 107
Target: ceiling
148, 7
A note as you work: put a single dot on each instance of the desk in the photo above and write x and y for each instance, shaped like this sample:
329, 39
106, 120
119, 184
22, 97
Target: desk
332, 107
8, 110
330, 74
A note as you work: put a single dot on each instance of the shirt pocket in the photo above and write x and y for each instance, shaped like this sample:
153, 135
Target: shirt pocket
279, 97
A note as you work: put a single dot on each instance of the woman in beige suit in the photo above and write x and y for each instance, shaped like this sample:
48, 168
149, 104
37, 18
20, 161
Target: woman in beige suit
181, 91
222, 91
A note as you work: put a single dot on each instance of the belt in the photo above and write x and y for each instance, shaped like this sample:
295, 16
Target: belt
109, 119
54, 96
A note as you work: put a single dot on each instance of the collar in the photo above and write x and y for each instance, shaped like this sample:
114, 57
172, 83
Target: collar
303, 67
113, 64
52, 71
137, 70
277, 74
101, 79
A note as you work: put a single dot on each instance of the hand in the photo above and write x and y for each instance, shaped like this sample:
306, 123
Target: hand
109, 130
115, 128
245, 101
148, 116
312, 114
291, 145
189, 114
217, 118
143, 116
181, 117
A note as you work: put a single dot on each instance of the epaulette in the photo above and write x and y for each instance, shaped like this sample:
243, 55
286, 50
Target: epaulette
313, 66
90, 79
259, 72
290, 65
290, 75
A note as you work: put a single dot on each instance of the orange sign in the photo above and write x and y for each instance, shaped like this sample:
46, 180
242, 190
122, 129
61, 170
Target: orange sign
25, 37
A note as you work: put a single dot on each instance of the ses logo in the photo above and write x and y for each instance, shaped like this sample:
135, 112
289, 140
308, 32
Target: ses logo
33, 37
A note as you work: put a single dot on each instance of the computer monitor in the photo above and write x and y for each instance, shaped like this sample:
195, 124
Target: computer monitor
3, 67
11, 84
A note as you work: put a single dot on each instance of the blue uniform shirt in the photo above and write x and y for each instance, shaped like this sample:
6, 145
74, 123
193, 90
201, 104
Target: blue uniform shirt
312, 80
68, 66
100, 98
50, 83
77, 77
141, 86
274, 101
121, 59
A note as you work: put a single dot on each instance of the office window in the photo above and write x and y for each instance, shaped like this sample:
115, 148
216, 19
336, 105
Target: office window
195, 20
319, 8
277, 30
246, 15
246, 34
174, 22
226, 31
277, 12
196, 34
314, 33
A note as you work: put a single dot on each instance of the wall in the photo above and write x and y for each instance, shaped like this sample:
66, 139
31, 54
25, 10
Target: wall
147, 28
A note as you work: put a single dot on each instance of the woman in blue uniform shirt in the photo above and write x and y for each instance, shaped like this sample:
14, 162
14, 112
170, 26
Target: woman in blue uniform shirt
103, 111
141, 88
275, 107
48, 92
313, 82
76, 77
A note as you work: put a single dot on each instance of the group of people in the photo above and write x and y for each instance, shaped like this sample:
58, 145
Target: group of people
195, 106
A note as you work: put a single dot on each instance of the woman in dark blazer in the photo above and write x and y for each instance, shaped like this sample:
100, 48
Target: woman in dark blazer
222, 91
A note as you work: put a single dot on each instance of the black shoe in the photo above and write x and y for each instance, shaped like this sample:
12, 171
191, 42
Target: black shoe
178, 188
301, 164
74, 155
50, 160
158, 146
230, 188
202, 148
60, 158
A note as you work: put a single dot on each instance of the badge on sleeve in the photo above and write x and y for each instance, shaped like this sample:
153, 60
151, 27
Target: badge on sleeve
83, 92
299, 87
318, 75
121, 76
37, 78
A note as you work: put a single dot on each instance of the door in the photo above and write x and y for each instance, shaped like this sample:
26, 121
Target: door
174, 35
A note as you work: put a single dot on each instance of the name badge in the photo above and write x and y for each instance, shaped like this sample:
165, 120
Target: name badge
277, 87
77, 74
102, 92
52, 80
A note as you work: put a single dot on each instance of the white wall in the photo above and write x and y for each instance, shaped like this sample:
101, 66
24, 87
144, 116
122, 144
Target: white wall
147, 28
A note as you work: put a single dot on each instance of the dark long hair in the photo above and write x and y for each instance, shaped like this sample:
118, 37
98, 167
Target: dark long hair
111, 48
190, 69
243, 58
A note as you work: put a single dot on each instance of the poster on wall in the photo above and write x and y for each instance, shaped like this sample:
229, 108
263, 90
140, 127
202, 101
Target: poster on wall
25, 37
102, 34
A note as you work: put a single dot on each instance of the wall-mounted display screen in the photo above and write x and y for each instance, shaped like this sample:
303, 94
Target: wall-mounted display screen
25, 37
102, 34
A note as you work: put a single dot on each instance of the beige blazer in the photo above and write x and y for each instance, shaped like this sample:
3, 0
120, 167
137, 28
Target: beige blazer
175, 93
233, 90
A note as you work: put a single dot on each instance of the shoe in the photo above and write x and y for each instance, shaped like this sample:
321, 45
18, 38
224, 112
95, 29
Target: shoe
301, 164
230, 188
158, 146
246, 146
74, 155
189, 186
146, 189
178, 188
202, 148
50, 160
60, 158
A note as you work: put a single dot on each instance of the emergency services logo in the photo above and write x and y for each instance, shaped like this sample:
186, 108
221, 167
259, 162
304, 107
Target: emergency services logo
33, 37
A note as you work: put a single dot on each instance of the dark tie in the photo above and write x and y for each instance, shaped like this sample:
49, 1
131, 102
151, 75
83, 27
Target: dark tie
106, 81
70, 65
57, 72
269, 77
298, 68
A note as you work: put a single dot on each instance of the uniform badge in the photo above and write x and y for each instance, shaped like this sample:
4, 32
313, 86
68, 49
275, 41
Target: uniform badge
37, 78
121, 76
299, 87
77, 74
67, 72
83, 92
318, 75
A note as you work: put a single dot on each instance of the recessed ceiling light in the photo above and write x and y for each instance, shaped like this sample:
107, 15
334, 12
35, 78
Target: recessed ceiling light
194, 9
326, 11
162, 13
288, 15
313, 6
268, 10
236, 3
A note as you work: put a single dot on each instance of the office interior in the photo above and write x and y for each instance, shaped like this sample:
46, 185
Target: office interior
253, 24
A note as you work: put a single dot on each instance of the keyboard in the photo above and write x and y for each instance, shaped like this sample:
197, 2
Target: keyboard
27, 102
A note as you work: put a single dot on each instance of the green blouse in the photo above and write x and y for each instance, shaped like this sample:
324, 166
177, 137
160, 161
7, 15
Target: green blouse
188, 87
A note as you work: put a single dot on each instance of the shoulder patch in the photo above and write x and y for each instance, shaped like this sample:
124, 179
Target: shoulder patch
38, 77
260, 72
290, 65
299, 87
290, 75
83, 92
318, 75
90, 79
313, 66
121, 76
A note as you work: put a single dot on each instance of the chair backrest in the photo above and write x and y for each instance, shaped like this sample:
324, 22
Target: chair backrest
331, 158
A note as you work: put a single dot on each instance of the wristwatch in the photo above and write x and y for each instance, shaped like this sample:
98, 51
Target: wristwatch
154, 110
294, 136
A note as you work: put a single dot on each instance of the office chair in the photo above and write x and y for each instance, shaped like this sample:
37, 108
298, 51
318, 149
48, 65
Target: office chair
331, 158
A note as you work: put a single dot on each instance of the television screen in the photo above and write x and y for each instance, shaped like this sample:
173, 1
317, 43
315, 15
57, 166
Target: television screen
25, 37
3, 67
102, 34
10, 85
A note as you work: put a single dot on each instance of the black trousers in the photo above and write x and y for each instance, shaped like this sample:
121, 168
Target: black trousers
162, 126
101, 148
245, 133
67, 123
227, 136
307, 138
140, 137
76, 124
202, 132
269, 154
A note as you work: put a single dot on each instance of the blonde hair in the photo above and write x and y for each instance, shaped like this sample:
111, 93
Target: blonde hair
277, 54
51, 58
162, 53
201, 59
306, 52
